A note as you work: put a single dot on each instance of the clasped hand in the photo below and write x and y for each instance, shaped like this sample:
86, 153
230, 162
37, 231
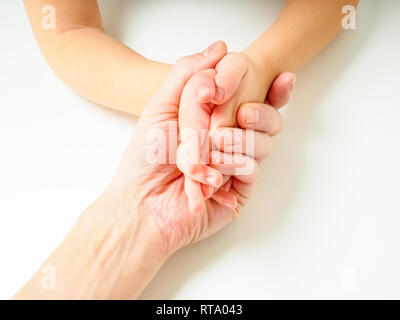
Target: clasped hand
190, 186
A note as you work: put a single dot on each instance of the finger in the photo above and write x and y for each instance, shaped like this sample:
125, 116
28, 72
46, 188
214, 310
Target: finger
260, 117
247, 142
194, 195
197, 171
195, 107
230, 71
184, 68
281, 90
238, 165
225, 198
208, 190
202, 173
194, 118
242, 191
227, 185
224, 115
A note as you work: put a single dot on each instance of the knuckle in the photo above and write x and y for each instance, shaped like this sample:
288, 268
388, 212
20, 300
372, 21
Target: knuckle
241, 61
239, 57
183, 63
193, 169
233, 62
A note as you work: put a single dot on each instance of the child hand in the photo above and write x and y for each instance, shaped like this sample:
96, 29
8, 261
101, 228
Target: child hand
193, 152
240, 80
203, 168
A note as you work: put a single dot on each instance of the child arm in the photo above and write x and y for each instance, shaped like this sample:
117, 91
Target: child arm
88, 60
303, 29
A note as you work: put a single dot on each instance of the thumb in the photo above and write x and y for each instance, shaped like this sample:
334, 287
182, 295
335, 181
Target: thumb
171, 91
195, 106
281, 90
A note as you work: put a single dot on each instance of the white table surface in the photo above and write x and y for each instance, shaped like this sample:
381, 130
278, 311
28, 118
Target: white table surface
325, 218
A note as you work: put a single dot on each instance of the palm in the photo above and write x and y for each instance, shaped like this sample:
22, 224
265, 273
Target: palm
160, 187
170, 210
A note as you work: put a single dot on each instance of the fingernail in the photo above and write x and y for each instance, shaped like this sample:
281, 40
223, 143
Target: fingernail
213, 180
215, 47
252, 116
219, 94
203, 92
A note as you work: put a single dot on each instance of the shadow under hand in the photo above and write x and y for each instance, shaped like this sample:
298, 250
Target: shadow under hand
281, 173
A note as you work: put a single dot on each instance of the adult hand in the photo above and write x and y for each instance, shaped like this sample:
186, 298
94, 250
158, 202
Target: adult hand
122, 239
195, 112
241, 79
155, 187
235, 80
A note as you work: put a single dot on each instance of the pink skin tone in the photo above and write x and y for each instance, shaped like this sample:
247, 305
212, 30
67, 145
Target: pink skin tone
197, 113
238, 80
159, 189
122, 239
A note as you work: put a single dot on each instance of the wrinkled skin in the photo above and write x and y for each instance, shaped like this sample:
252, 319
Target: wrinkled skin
157, 191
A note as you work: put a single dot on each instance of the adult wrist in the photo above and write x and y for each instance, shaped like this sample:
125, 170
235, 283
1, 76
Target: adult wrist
111, 253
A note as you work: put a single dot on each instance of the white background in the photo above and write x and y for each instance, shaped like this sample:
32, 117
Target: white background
324, 220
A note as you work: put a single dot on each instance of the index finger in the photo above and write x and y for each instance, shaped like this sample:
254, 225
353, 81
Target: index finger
260, 117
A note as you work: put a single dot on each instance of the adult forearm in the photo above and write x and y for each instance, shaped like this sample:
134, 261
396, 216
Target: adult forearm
111, 253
